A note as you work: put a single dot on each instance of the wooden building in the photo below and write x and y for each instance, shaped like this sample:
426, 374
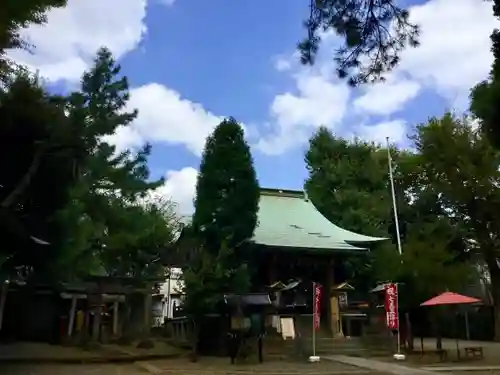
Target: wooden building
293, 240
99, 309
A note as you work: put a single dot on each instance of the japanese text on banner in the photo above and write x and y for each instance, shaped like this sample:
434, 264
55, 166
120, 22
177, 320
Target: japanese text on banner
391, 306
317, 305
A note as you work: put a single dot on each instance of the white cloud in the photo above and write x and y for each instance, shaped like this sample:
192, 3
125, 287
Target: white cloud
164, 116
318, 102
180, 188
282, 64
66, 45
395, 130
455, 46
386, 97
453, 56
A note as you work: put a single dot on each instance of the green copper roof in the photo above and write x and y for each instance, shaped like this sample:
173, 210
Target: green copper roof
287, 219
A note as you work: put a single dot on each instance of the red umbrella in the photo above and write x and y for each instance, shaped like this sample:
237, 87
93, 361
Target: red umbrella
449, 298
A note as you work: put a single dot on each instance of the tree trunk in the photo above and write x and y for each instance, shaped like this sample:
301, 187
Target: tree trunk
23, 184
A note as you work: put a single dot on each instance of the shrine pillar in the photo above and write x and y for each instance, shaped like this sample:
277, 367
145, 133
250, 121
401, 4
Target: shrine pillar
271, 270
331, 301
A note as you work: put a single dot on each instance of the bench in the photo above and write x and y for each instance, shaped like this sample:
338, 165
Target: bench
474, 351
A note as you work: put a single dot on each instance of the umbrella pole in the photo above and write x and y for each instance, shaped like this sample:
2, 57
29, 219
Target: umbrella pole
467, 331
456, 333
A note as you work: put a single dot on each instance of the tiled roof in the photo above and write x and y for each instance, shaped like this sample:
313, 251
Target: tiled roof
288, 219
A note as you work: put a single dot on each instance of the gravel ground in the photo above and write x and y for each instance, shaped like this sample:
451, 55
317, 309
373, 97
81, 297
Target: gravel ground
129, 369
184, 367
284, 367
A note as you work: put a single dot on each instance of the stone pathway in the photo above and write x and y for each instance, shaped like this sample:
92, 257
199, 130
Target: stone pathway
222, 366
461, 368
378, 366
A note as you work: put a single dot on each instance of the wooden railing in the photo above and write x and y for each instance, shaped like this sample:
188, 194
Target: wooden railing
179, 330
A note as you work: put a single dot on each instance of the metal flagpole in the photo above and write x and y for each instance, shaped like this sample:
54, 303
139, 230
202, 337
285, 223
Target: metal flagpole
398, 239
394, 205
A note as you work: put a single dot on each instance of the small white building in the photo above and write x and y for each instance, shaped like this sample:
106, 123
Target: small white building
171, 292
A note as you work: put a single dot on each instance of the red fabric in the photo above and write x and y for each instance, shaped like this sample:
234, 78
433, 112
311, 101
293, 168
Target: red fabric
317, 304
449, 298
391, 306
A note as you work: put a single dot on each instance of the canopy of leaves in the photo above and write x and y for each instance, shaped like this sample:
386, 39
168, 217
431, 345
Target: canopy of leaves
40, 155
462, 166
485, 103
14, 15
227, 190
348, 182
112, 229
226, 204
207, 278
374, 34
64, 184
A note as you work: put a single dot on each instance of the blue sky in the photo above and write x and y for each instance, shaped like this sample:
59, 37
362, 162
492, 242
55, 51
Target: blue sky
191, 63
221, 56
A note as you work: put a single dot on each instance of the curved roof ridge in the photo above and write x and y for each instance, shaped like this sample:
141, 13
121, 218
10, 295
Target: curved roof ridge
349, 235
289, 219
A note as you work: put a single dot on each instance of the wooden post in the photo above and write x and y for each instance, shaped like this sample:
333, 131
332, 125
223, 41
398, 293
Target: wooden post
148, 301
272, 269
96, 324
115, 318
71, 318
3, 298
332, 326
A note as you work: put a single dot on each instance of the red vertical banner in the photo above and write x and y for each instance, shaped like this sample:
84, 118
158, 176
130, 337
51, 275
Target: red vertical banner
316, 304
391, 306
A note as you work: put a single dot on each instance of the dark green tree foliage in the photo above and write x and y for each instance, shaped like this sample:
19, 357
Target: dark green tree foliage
137, 236
226, 204
14, 15
227, 191
485, 97
41, 154
343, 176
461, 164
374, 34
434, 244
105, 202
18, 14
99, 108
208, 277
348, 182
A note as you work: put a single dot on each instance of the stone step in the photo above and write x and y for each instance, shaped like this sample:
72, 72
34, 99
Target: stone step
345, 346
